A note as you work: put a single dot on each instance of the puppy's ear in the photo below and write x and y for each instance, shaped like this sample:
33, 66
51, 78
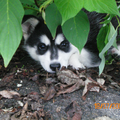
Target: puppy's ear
28, 27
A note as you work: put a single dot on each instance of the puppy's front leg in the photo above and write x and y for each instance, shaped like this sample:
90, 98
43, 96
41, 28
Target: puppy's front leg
74, 61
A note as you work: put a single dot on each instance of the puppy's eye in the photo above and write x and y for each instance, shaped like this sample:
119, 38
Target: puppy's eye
64, 44
42, 46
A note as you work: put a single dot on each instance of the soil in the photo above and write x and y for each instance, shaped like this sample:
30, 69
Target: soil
26, 77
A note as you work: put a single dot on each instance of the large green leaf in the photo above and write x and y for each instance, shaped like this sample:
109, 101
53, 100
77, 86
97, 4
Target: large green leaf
101, 6
53, 18
102, 37
68, 8
76, 30
111, 38
11, 13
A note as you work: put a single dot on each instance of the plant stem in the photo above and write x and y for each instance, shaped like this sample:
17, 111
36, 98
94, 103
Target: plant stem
31, 8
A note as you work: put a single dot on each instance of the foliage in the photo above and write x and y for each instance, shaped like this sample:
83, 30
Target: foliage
110, 36
11, 14
68, 13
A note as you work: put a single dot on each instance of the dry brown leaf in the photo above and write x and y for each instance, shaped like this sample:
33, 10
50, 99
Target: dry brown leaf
71, 79
33, 96
50, 93
43, 89
9, 94
16, 116
99, 84
7, 79
21, 115
36, 106
72, 88
96, 88
60, 86
91, 85
101, 81
73, 111
76, 80
68, 77
40, 113
24, 109
50, 80
35, 77
8, 109
77, 116
87, 81
113, 84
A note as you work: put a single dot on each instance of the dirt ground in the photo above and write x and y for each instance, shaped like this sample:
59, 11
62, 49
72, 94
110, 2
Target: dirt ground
27, 92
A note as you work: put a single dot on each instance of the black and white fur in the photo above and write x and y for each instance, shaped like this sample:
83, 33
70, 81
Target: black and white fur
56, 52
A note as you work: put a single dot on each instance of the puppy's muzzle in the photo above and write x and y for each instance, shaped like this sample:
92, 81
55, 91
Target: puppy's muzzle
53, 66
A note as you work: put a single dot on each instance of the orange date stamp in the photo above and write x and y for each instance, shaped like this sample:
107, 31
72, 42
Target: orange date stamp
107, 105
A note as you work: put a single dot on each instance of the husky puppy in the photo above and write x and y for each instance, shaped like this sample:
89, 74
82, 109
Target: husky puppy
56, 52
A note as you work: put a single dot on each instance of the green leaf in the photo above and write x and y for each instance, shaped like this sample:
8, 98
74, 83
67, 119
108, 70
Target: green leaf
76, 29
53, 18
69, 8
102, 6
108, 19
112, 30
111, 39
30, 7
30, 2
102, 37
115, 44
31, 12
11, 14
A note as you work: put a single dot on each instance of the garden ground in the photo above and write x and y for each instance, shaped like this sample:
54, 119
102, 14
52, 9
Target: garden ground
28, 92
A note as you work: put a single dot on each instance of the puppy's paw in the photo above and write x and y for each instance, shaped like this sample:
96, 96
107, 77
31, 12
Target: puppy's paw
78, 65
74, 61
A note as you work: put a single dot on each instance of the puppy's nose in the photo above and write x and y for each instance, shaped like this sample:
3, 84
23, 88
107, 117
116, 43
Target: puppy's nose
54, 66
